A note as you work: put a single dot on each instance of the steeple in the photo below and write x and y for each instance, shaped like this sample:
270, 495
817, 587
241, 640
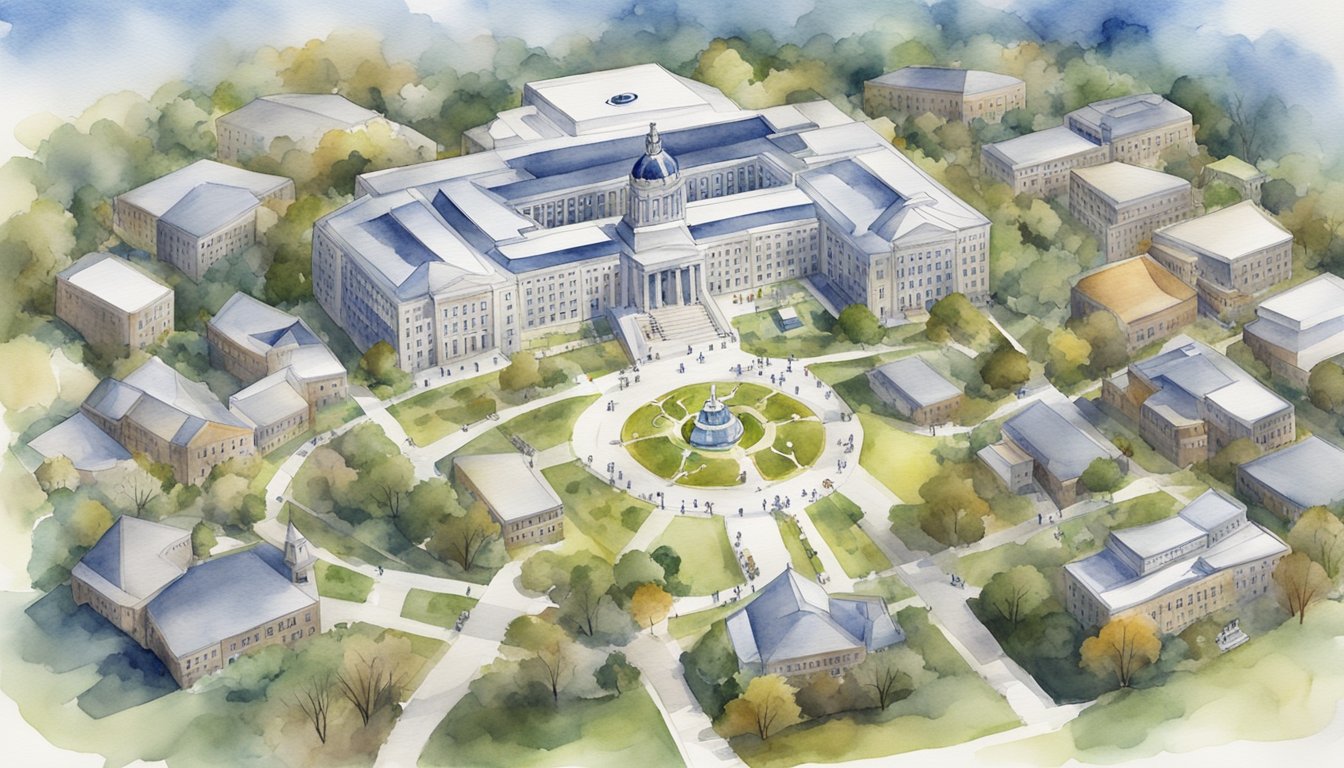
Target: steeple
297, 557
653, 142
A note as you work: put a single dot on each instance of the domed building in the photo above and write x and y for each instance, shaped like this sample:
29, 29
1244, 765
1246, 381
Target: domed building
716, 427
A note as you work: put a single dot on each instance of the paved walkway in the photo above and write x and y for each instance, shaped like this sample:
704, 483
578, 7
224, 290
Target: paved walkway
658, 659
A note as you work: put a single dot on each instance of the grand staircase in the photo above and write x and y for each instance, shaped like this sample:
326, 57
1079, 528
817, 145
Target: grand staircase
672, 328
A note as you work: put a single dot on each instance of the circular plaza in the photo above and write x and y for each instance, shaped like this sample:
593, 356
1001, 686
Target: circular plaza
723, 434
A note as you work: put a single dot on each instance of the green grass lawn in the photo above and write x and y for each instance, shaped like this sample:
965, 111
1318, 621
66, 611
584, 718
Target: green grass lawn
807, 438
834, 517
900, 460
612, 732
688, 627
781, 407
704, 470
432, 415
659, 455
798, 554
341, 583
890, 588
708, 563
773, 466
549, 425
752, 430
1082, 536
905, 524
608, 517
435, 608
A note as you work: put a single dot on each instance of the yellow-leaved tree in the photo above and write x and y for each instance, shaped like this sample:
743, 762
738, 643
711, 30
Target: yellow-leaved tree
1301, 582
1124, 646
768, 706
650, 605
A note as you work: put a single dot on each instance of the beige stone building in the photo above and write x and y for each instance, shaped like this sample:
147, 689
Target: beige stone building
1055, 444
169, 418
1039, 163
112, 303
792, 627
519, 498
1229, 255
1298, 329
1175, 571
917, 391
1150, 302
1288, 481
197, 215
198, 618
1237, 174
1190, 402
1124, 204
957, 95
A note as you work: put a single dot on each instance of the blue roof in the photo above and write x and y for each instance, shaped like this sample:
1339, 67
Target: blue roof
748, 221
209, 207
1051, 440
391, 233
680, 142
654, 167
224, 597
555, 258
105, 556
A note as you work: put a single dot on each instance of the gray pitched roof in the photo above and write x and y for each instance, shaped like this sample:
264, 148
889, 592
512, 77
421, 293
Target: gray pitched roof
225, 596
917, 381
156, 197
1307, 473
793, 617
130, 556
209, 207
78, 439
1058, 443
950, 79
162, 400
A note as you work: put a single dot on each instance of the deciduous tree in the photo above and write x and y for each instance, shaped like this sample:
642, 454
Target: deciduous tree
768, 706
650, 605
859, 325
1301, 582
522, 372
1102, 475
551, 648
1005, 368
617, 674
1016, 593
1122, 647
461, 538
1319, 534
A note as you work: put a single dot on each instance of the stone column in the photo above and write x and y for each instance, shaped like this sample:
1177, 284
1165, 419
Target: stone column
659, 298
695, 283
676, 285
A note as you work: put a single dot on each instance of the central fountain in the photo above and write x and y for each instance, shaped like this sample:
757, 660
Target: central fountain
716, 427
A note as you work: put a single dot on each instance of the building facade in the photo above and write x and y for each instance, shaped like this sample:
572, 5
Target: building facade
956, 95
917, 391
1149, 302
169, 418
210, 211
1129, 129
548, 226
1290, 480
1298, 329
1052, 442
198, 618
1124, 204
1230, 255
1237, 174
1207, 558
516, 494
1190, 402
113, 303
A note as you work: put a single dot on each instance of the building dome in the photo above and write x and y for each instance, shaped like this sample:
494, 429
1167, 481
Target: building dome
655, 164
716, 427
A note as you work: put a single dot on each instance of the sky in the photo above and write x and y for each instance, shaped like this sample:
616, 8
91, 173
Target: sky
59, 57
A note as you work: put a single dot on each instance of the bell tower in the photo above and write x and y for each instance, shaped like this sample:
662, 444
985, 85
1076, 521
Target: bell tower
297, 556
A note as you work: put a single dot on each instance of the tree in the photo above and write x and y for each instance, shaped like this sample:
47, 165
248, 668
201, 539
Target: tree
138, 487
202, 540
768, 706
891, 674
1319, 534
461, 538
427, 505
636, 568
387, 482
379, 362
369, 683
617, 674
550, 647
1016, 593
314, 701
57, 472
650, 605
858, 324
670, 561
1069, 354
1122, 647
955, 317
583, 600
1220, 195
1223, 465
1325, 387
1103, 475
1107, 338
522, 372
1005, 368
952, 513
1301, 582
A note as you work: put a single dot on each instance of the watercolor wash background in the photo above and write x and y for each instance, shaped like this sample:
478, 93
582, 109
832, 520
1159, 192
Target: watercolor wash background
57, 59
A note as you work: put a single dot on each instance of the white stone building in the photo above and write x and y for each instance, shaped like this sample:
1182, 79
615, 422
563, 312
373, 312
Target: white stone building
1123, 204
303, 118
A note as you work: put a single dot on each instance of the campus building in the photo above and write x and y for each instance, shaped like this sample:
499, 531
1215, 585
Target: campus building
1229, 255
1238, 174
303, 119
291, 374
1129, 129
197, 215
113, 303
573, 207
1298, 329
527, 509
956, 95
1149, 302
917, 391
1190, 402
171, 419
1050, 445
197, 617
1123, 204
1176, 571
1288, 481
793, 627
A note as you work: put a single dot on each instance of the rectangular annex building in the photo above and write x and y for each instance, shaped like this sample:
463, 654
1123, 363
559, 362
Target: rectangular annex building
1298, 329
917, 391
1053, 444
953, 94
1150, 302
113, 303
1290, 480
526, 507
1124, 204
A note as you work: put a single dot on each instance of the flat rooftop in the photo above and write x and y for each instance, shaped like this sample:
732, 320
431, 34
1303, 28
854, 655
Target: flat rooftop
115, 281
156, 197
1307, 473
917, 381
1038, 147
946, 79
1228, 233
1122, 183
512, 488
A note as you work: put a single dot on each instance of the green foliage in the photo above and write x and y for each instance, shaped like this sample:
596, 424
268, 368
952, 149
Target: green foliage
522, 372
1106, 339
1016, 594
1005, 368
202, 540
1319, 534
616, 674
955, 317
341, 583
1223, 465
711, 670
858, 324
1325, 387
1220, 195
379, 365
1103, 475
952, 512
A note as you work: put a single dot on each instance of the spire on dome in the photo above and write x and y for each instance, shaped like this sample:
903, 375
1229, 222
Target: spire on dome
653, 143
